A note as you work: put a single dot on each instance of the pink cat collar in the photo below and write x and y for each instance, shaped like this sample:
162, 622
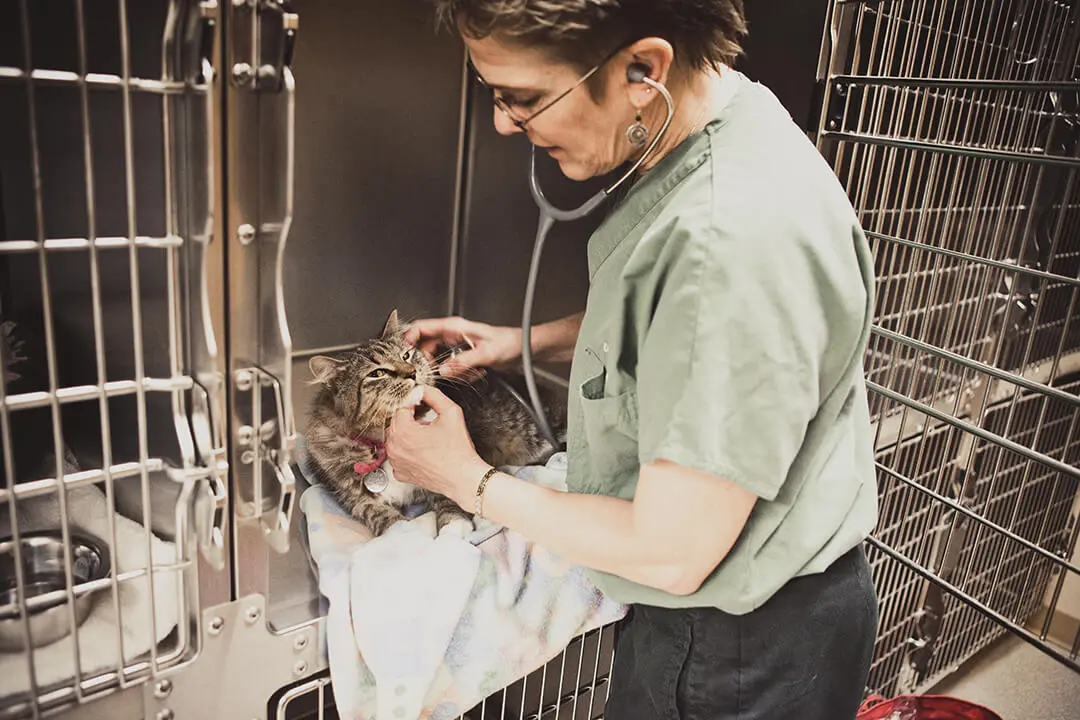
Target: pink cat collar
363, 468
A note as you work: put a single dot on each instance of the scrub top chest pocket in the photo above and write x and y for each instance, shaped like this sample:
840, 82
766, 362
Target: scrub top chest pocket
609, 423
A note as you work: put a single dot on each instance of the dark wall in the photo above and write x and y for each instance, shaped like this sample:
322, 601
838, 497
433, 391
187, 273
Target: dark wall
782, 51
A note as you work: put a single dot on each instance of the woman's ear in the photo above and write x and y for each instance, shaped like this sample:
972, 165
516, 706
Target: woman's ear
657, 56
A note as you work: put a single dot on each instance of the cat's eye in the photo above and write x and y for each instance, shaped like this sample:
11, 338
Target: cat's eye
407, 356
378, 373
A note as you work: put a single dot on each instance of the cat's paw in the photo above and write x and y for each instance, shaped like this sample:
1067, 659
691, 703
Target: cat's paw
458, 527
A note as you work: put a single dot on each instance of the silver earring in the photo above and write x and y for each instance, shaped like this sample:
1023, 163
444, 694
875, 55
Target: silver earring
637, 133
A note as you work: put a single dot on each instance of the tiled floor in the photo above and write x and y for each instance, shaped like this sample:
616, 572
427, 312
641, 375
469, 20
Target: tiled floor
1018, 682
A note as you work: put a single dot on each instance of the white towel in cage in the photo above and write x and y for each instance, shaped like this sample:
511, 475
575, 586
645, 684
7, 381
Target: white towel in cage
427, 627
99, 636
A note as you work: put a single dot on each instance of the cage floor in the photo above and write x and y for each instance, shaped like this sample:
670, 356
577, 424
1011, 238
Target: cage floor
1018, 682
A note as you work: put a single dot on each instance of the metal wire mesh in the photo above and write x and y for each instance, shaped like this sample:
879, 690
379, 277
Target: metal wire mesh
954, 127
573, 686
95, 407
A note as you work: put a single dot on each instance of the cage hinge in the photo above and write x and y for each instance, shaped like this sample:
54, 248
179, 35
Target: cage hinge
836, 103
263, 42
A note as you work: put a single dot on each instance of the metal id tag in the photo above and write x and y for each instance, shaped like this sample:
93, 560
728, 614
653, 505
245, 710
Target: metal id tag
376, 481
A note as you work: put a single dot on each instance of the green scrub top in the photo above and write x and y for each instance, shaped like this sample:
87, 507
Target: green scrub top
730, 301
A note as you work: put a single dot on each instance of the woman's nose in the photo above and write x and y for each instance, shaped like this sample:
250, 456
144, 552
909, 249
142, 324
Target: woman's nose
504, 125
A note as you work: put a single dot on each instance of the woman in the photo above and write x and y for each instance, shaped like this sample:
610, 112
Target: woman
720, 460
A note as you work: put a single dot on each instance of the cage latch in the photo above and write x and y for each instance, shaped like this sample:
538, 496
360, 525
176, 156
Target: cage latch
267, 444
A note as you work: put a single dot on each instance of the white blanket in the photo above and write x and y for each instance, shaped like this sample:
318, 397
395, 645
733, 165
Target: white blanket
426, 627
99, 635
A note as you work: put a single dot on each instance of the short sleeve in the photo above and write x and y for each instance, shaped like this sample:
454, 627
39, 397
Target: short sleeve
728, 375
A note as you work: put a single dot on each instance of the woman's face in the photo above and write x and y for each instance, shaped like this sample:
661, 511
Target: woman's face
585, 136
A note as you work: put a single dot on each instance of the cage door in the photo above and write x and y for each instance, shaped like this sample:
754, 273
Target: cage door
112, 448
954, 127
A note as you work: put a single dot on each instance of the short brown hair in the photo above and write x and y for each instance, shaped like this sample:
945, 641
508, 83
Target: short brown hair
582, 32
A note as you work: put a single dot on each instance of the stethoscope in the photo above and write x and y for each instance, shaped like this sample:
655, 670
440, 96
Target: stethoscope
549, 215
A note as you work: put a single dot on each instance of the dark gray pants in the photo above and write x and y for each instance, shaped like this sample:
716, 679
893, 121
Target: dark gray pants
804, 654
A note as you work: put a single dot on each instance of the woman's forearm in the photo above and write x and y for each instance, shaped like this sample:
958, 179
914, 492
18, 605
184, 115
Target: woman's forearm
554, 341
591, 530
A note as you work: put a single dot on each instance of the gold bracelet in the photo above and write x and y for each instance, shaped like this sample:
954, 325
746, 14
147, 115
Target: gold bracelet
480, 492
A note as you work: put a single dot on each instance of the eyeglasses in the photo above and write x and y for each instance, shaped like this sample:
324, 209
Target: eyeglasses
521, 123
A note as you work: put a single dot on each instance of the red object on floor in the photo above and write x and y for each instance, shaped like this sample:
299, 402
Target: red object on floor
923, 707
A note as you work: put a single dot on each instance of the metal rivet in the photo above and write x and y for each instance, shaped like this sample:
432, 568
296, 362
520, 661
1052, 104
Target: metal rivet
244, 380
162, 689
242, 73
300, 667
252, 614
833, 124
244, 435
605, 347
165, 714
247, 457
245, 234
216, 625
301, 642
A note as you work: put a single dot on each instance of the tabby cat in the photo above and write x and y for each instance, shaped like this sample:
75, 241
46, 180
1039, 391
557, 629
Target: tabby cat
357, 397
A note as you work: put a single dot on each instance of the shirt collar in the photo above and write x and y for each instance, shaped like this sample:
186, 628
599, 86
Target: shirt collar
645, 194
658, 182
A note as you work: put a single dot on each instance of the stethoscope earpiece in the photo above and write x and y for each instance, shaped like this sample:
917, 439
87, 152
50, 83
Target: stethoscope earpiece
637, 72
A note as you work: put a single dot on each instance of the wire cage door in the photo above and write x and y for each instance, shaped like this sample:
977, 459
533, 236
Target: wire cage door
573, 686
954, 127
113, 454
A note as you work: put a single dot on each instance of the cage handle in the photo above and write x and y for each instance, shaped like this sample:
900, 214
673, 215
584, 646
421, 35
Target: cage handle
269, 442
276, 532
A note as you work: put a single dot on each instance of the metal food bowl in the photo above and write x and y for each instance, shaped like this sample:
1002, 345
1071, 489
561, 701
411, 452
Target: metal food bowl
44, 560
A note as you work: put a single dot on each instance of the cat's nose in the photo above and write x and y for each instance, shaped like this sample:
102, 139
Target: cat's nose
409, 373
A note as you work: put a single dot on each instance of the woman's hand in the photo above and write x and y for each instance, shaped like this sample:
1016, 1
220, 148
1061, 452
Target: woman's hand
438, 456
490, 346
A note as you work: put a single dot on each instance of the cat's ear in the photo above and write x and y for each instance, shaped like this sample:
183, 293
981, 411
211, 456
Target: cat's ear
392, 326
324, 368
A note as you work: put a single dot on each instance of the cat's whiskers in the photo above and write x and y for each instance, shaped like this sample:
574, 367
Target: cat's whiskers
462, 383
442, 357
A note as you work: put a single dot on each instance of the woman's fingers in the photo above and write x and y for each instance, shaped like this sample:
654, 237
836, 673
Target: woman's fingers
437, 401
450, 330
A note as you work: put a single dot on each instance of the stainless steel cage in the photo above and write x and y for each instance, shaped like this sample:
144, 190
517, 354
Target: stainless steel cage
953, 125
